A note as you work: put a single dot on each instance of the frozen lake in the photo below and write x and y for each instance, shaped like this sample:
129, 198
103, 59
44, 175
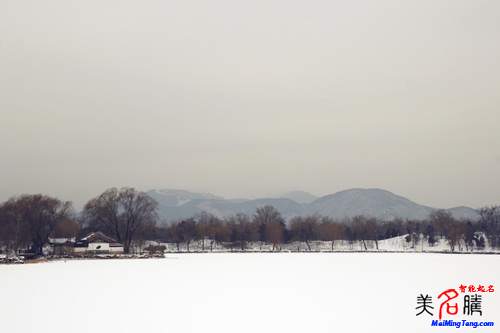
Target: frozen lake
322, 292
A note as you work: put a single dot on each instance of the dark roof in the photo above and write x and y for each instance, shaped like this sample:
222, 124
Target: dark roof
98, 237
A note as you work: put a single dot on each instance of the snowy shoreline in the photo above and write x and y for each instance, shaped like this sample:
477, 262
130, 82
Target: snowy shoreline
183, 253
396, 245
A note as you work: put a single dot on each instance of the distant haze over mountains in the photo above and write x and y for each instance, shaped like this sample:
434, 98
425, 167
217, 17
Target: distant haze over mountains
382, 204
300, 197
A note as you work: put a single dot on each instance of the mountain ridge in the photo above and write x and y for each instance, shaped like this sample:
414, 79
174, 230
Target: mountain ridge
374, 202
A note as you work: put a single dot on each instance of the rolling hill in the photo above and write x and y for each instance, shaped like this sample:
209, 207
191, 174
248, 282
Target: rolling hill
382, 204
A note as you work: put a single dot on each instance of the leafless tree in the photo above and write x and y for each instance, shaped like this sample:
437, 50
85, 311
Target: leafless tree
203, 228
331, 231
13, 231
358, 229
271, 225
442, 220
217, 232
275, 234
490, 224
447, 227
122, 213
66, 228
305, 229
371, 232
187, 231
34, 218
241, 230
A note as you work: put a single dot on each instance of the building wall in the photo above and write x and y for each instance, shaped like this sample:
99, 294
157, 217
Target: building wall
116, 249
99, 247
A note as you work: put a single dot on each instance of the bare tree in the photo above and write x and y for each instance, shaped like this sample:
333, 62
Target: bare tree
66, 228
447, 227
429, 233
13, 231
413, 230
441, 220
490, 224
271, 225
305, 229
34, 218
121, 213
470, 235
359, 230
275, 234
187, 231
331, 231
217, 231
172, 235
372, 230
203, 228
241, 230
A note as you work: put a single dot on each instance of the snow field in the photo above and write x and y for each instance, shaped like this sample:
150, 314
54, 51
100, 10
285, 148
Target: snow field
250, 292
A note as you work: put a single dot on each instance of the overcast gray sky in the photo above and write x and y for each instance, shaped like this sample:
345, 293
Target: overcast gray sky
251, 98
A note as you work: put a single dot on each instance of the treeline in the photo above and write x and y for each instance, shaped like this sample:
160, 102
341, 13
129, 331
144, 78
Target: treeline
131, 217
28, 221
268, 226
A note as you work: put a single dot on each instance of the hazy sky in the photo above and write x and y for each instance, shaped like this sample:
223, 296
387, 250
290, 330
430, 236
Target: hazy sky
251, 98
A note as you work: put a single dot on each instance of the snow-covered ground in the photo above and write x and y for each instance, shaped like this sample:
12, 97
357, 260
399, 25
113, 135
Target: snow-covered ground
251, 292
396, 244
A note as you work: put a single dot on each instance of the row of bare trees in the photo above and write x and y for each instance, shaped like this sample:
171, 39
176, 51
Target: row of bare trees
268, 226
130, 216
28, 221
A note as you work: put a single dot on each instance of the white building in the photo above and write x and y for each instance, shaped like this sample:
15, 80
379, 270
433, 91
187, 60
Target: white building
60, 246
97, 242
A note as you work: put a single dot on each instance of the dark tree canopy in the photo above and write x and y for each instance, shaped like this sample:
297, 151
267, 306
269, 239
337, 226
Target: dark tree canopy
123, 213
31, 219
271, 225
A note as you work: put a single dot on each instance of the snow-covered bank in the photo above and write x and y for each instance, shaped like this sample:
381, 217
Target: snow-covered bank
396, 244
284, 292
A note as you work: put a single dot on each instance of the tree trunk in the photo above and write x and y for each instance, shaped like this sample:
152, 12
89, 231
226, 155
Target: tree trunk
308, 246
364, 245
332, 244
38, 249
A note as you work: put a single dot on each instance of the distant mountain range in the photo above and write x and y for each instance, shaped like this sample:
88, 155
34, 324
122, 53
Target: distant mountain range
382, 204
300, 197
